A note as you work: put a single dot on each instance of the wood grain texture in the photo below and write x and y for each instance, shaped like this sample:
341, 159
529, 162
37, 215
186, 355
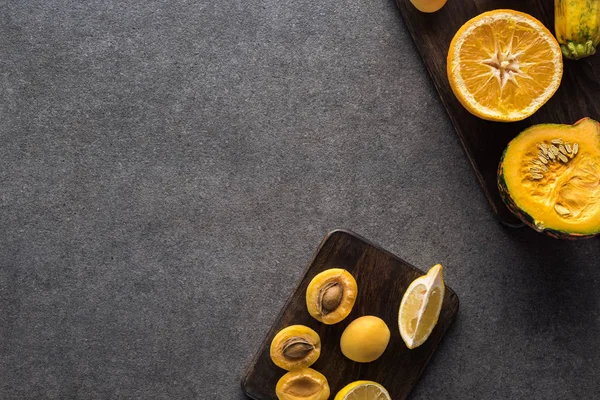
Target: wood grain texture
382, 279
484, 141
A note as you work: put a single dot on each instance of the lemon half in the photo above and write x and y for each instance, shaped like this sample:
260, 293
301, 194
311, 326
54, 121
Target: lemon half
363, 390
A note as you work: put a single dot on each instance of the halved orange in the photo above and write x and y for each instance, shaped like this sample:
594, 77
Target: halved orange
503, 65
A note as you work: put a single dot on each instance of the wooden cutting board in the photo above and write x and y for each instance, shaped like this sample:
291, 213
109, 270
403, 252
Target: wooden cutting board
382, 279
483, 141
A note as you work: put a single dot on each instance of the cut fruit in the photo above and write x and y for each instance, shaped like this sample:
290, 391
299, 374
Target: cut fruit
330, 295
302, 384
363, 390
295, 347
503, 65
420, 307
549, 176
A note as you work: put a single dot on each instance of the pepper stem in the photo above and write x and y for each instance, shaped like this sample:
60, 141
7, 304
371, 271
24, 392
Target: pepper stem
575, 51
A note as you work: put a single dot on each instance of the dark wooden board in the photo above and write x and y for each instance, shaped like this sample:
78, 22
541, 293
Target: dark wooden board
382, 279
484, 141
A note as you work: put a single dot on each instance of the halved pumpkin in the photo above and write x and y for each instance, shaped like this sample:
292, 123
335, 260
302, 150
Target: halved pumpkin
549, 176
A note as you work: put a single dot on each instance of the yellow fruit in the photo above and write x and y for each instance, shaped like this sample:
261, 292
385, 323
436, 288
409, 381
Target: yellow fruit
330, 295
420, 307
365, 339
302, 384
428, 6
363, 390
295, 347
503, 65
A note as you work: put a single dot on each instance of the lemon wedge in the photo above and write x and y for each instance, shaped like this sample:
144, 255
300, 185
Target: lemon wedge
363, 390
420, 307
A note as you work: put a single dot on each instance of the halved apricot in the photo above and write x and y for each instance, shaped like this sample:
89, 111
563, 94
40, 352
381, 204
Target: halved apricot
302, 384
330, 295
295, 347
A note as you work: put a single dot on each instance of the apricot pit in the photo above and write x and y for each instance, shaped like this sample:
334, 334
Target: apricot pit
295, 347
330, 295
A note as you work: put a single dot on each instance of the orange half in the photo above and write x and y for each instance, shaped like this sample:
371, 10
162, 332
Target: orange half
503, 65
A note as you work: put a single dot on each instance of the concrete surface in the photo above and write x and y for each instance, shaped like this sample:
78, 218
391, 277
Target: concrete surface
167, 169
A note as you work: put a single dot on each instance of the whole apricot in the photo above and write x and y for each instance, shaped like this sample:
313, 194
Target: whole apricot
365, 339
428, 6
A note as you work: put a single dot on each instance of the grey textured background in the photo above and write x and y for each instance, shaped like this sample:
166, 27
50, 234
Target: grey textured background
168, 168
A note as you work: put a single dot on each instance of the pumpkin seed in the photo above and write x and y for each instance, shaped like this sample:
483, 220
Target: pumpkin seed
561, 210
543, 159
554, 149
536, 170
575, 148
562, 149
568, 146
562, 158
537, 166
551, 156
537, 176
556, 141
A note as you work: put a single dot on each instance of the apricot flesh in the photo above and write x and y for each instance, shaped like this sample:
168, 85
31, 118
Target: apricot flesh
295, 347
302, 384
330, 295
365, 339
